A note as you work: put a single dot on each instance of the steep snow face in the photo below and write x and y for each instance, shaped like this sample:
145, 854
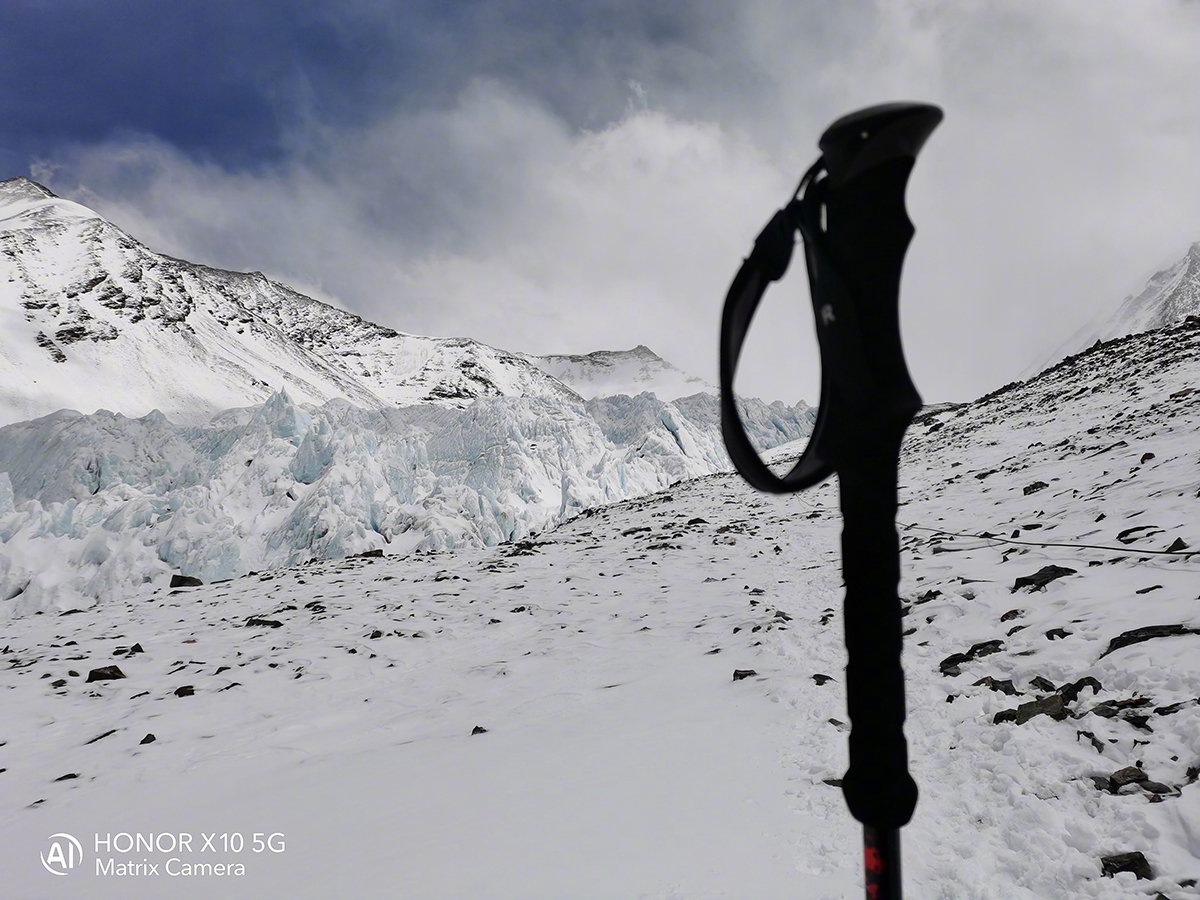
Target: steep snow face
94, 506
608, 372
1169, 297
91, 319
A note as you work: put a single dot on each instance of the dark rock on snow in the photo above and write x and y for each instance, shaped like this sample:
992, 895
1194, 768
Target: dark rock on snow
1137, 635
104, 673
1041, 577
1134, 862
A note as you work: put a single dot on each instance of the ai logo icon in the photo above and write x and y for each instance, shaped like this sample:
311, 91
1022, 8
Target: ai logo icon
65, 854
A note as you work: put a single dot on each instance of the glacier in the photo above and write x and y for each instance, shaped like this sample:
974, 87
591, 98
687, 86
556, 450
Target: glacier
93, 507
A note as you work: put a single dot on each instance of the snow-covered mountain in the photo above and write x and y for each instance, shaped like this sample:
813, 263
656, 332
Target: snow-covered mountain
658, 682
241, 425
91, 319
1169, 297
608, 372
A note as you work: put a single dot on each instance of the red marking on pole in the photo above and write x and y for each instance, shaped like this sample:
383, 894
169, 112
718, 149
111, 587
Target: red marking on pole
872, 860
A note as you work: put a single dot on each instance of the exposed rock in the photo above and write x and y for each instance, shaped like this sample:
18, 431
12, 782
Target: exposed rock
1137, 635
1127, 775
1156, 787
1005, 687
1134, 862
1172, 708
185, 690
185, 581
1071, 691
1109, 708
148, 739
821, 679
267, 623
1034, 488
739, 674
1041, 577
105, 673
1052, 706
950, 664
1129, 535
478, 729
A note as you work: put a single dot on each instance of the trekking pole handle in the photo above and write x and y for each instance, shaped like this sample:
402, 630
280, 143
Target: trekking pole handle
856, 233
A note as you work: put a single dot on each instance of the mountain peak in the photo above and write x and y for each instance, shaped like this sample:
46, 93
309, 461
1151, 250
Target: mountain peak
1168, 298
14, 190
607, 372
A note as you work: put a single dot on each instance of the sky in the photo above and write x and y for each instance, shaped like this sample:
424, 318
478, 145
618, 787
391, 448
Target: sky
562, 178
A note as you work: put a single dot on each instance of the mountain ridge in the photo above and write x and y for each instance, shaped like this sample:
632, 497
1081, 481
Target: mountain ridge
1169, 296
94, 318
81, 295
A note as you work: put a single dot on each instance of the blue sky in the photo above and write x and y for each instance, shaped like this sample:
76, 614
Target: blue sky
231, 81
554, 177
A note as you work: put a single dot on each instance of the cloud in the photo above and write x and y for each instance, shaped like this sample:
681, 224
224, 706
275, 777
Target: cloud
603, 193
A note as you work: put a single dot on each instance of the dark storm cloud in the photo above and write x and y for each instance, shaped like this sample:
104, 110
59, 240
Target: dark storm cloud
565, 177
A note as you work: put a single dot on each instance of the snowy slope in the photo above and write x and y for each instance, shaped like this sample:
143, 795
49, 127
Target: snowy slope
608, 372
619, 758
91, 319
92, 507
1169, 297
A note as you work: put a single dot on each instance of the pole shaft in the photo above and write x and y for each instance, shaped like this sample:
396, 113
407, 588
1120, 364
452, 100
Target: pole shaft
881, 863
878, 787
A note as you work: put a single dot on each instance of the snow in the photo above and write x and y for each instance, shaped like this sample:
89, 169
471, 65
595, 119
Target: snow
93, 507
607, 372
90, 318
1168, 298
620, 758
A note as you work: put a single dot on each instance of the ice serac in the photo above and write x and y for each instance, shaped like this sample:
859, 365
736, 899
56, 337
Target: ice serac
1169, 297
94, 506
90, 318
607, 372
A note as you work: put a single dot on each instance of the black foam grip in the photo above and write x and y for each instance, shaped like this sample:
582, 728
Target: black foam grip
878, 788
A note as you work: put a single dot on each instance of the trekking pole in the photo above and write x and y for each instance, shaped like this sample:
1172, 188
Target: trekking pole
849, 210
